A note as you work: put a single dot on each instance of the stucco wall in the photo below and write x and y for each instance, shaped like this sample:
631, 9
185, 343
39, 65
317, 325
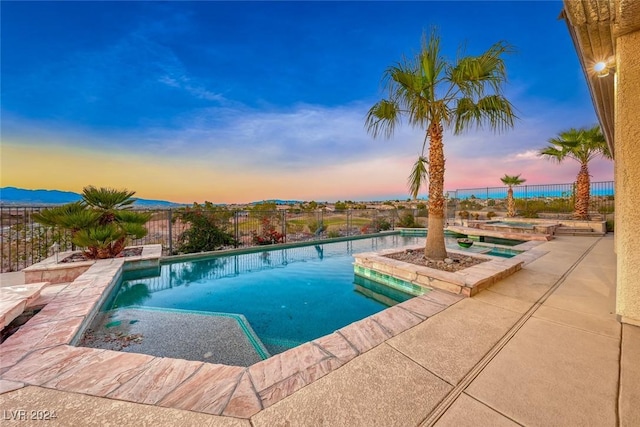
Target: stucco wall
627, 174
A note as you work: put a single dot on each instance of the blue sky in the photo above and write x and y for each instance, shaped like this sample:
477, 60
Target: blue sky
241, 101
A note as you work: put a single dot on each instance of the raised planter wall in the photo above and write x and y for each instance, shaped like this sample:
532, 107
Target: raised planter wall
52, 271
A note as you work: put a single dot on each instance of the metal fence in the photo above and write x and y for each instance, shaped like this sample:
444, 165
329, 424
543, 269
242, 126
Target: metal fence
24, 242
543, 201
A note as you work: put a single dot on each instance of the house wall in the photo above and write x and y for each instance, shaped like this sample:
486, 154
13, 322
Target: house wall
627, 177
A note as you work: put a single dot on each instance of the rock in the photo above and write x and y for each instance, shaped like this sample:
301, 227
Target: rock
448, 261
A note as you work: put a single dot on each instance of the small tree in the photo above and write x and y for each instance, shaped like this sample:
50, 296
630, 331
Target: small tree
510, 181
581, 145
101, 222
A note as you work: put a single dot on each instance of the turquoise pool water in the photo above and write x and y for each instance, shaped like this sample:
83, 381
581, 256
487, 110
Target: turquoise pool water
288, 296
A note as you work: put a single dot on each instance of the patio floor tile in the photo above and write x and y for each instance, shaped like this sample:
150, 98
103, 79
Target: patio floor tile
468, 412
449, 346
570, 376
371, 390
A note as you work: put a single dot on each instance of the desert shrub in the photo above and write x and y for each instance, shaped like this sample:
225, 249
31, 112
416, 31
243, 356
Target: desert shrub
463, 214
314, 225
491, 214
476, 215
381, 224
207, 231
529, 213
269, 235
341, 206
408, 221
333, 234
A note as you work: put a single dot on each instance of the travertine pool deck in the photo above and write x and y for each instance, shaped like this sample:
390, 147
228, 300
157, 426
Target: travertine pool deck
540, 347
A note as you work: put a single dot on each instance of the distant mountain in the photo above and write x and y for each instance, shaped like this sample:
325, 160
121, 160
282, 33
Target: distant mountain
277, 202
21, 196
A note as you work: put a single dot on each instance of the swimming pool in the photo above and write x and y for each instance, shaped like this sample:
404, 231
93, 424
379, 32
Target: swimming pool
241, 308
278, 299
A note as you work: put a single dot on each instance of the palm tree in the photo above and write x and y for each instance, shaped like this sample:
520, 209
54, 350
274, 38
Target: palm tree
581, 145
433, 93
511, 181
101, 222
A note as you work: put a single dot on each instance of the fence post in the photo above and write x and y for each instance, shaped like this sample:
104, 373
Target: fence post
235, 228
170, 233
284, 226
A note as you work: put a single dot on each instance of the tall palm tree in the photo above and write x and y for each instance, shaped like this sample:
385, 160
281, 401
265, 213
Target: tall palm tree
581, 145
433, 93
510, 181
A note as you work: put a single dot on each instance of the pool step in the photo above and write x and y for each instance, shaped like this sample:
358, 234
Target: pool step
577, 231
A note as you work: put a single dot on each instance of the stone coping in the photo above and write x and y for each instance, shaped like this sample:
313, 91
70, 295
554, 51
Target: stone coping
41, 353
470, 231
465, 282
15, 299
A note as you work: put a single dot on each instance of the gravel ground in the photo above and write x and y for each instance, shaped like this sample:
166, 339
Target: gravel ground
453, 263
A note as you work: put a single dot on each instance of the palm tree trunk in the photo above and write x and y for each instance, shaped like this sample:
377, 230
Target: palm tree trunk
434, 248
511, 203
583, 191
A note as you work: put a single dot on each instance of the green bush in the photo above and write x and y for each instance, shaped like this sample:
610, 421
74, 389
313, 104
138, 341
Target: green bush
381, 224
529, 214
611, 225
333, 234
314, 225
208, 228
408, 221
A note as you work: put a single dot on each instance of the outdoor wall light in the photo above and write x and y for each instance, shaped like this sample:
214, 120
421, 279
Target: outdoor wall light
602, 69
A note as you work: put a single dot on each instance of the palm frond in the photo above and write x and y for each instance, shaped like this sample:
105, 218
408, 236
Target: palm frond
511, 180
582, 145
418, 176
132, 217
136, 231
55, 216
108, 198
98, 237
492, 110
382, 118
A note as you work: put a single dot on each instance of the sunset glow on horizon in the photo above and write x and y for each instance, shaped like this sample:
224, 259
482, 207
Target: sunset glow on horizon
208, 101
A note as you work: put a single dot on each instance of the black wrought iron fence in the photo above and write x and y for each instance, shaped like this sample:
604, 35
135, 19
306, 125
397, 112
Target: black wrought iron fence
544, 201
25, 242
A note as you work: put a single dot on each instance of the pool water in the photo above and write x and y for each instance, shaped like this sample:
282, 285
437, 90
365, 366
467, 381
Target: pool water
288, 296
238, 309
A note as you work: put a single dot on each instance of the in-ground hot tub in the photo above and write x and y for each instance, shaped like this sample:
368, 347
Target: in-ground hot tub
516, 226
